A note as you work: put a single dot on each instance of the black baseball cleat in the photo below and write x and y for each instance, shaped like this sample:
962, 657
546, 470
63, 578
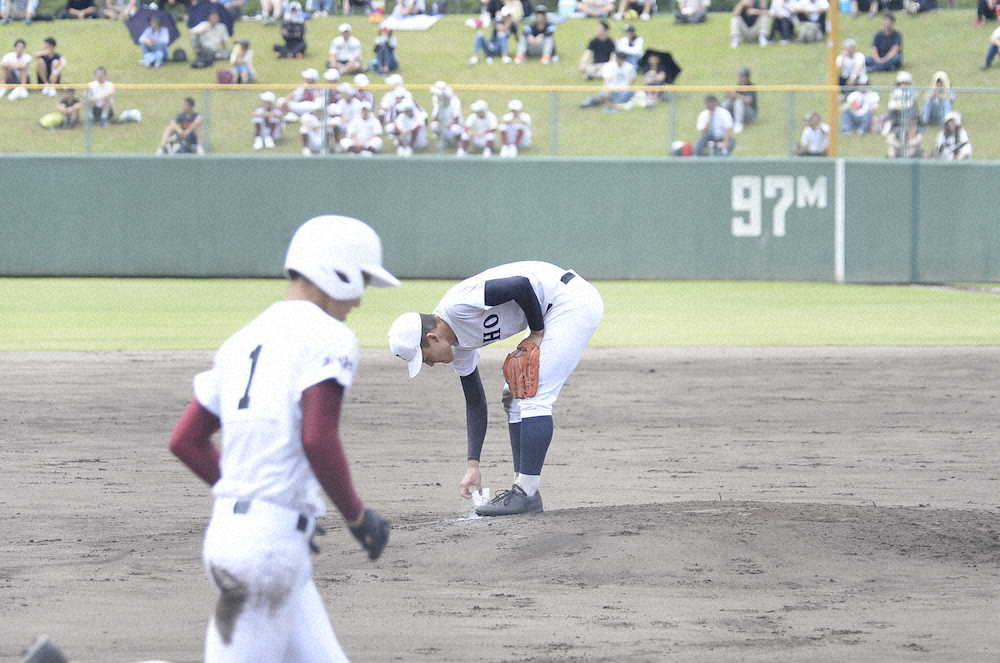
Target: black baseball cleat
510, 502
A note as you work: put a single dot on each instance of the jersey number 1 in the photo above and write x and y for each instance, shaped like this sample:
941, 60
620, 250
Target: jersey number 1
245, 401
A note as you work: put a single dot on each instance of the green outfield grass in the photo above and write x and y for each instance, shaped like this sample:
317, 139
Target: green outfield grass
941, 40
170, 314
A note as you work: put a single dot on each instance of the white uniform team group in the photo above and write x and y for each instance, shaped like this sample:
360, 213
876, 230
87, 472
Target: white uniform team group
338, 116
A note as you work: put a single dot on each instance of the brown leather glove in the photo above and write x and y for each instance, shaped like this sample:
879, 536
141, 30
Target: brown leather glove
521, 370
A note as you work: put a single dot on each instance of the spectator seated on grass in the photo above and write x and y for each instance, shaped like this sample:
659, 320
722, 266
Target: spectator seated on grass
409, 130
654, 76
630, 9
688, 12
598, 53
119, 10
595, 8
79, 9
154, 41
515, 129
385, 60
871, 7
815, 140
321, 8
479, 134
24, 10
405, 8
234, 7
859, 110
446, 114
345, 52
742, 104
364, 133
986, 10
851, 69
496, 46
887, 47
293, 31
69, 106
992, 50
268, 122
632, 45
939, 102
782, 21
537, 38
182, 135
953, 141
49, 67
618, 74
208, 39
101, 95
15, 67
304, 99
748, 23
241, 62
906, 141
902, 102
715, 130
811, 17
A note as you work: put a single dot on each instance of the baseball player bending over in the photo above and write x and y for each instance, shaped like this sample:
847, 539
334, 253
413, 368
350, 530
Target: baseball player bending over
276, 389
561, 311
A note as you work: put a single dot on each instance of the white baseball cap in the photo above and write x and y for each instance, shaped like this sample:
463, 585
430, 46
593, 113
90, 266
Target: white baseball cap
404, 341
394, 79
515, 105
310, 74
904, 77
439, 87
268, 97
361, 80
953, 115
344, 27
478, 105
332, 74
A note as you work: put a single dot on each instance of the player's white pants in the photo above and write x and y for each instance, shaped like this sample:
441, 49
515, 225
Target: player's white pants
415, 139
371, 145
480, 142
575, 314
314, 139
269, 610
509, 136
448, 133
269, 127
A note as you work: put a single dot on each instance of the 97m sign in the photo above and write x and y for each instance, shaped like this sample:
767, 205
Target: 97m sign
749, 193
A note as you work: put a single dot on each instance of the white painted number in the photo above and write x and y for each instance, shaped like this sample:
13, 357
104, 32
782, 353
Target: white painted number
783, 189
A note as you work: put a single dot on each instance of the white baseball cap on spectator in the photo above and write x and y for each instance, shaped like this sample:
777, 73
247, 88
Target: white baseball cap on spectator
332, 75
361, 80
310, 74
439, 87
394, 79
904, 77
344, 27
515, 105
268, 97
478, 106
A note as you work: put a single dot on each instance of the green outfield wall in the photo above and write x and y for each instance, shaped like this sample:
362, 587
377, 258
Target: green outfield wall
824, 220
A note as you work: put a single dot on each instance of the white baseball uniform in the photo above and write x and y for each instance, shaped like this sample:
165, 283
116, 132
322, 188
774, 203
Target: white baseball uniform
411, 130
480, 132
366, 133
571, 310
267, 499
446, 118
315, 137
514, 125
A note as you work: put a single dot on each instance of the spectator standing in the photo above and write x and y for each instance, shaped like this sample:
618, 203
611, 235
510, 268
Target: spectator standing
940, 101
49, 67
209, 39
345, 52
644, 9
537, 39
69, 107
496, 46
992, 50
632, 45
748, 22
119, 10
446, 114
691, 11
79, 9
16, 69
906, 142
101, 94
364, 133
815, 141
598, 52
887, 47
182, 135
480, 130
268, 123
859, 111
515, 129
851, 69
741, 104
154, 41
715, 130
23, 9
293, 31
241, 61
385, 60
953, 141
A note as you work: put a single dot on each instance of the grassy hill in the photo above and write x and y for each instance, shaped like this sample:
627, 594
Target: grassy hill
941, 40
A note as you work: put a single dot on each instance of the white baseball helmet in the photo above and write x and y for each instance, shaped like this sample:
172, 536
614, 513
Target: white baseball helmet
404, 341
336, 253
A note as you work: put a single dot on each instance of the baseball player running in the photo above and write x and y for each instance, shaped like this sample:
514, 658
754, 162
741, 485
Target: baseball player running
276, 388
561, 312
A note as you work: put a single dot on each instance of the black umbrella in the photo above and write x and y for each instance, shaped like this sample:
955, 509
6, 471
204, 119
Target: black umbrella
140, 22
200, 13
668, 64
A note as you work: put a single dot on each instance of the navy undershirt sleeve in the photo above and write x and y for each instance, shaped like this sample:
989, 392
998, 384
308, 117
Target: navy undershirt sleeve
475, 412
518, 288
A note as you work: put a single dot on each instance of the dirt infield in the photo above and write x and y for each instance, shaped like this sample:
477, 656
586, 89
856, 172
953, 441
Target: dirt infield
702, 505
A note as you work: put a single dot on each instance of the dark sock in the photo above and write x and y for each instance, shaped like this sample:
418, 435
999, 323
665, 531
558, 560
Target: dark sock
515, 444
536, 434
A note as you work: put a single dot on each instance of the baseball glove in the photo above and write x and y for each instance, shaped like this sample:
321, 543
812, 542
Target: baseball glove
373, 533
521, 370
